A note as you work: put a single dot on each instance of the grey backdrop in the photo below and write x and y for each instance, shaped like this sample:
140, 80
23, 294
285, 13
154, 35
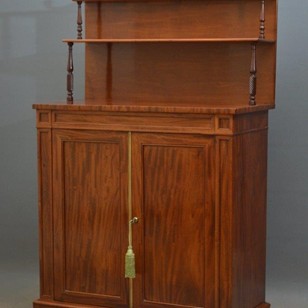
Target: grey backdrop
32, 69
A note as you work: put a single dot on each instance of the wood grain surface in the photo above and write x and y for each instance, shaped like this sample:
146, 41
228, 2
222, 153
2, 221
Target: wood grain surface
224, 220
178, 19
249, 218
174, 198
44, 151
215, 73
143, 106
90, 204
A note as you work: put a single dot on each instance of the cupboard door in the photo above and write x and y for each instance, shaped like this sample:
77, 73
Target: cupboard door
90, 217
173, 195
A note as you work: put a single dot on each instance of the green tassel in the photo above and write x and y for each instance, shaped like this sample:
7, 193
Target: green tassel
130, 271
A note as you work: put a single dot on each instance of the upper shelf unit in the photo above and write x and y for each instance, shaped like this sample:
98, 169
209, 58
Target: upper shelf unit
190, 51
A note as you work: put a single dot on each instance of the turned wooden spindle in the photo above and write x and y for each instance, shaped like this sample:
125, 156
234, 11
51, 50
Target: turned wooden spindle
79, 21
109, 73
70, 75
262, 20
99, 20
253, 76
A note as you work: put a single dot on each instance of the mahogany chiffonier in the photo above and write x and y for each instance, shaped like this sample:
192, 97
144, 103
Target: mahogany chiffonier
152, 190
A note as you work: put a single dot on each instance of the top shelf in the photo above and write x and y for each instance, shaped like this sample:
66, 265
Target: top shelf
178, 40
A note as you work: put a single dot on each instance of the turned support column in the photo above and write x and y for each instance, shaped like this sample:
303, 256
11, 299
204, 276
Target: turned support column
79, 21
109, 73
253, 75
70, 75
262, 20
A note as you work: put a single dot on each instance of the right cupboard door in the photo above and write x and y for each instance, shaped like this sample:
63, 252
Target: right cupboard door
173, 197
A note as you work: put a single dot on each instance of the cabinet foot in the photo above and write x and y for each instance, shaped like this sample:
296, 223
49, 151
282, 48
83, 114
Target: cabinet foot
264, 305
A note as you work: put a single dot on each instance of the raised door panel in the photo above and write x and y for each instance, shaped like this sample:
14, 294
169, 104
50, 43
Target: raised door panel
90, 180
173, 183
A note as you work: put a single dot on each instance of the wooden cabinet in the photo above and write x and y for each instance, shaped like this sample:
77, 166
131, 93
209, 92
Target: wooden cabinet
200, 200
163, 165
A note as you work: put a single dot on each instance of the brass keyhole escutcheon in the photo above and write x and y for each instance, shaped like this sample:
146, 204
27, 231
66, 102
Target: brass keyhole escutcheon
134, 220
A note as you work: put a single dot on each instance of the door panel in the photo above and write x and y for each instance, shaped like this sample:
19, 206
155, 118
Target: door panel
174, 241
90, 176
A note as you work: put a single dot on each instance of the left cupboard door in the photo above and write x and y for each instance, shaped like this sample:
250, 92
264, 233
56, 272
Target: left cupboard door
90, 217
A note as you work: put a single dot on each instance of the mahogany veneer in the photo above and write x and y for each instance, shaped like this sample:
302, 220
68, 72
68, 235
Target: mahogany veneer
173, 131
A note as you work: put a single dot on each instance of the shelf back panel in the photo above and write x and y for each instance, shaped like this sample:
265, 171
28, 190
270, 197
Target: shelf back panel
178, 19
206, 73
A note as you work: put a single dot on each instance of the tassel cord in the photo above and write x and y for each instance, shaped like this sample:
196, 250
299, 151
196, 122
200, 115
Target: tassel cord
130, 271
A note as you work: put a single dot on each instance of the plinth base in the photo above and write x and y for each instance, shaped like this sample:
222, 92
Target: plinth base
52, 304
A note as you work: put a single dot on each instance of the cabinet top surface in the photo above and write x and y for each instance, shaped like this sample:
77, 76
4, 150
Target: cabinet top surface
157, 108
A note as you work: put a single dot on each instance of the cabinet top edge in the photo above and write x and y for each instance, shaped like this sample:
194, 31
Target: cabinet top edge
163, 108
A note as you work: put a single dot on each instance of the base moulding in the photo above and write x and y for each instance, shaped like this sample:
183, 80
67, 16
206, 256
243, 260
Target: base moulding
51, 304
